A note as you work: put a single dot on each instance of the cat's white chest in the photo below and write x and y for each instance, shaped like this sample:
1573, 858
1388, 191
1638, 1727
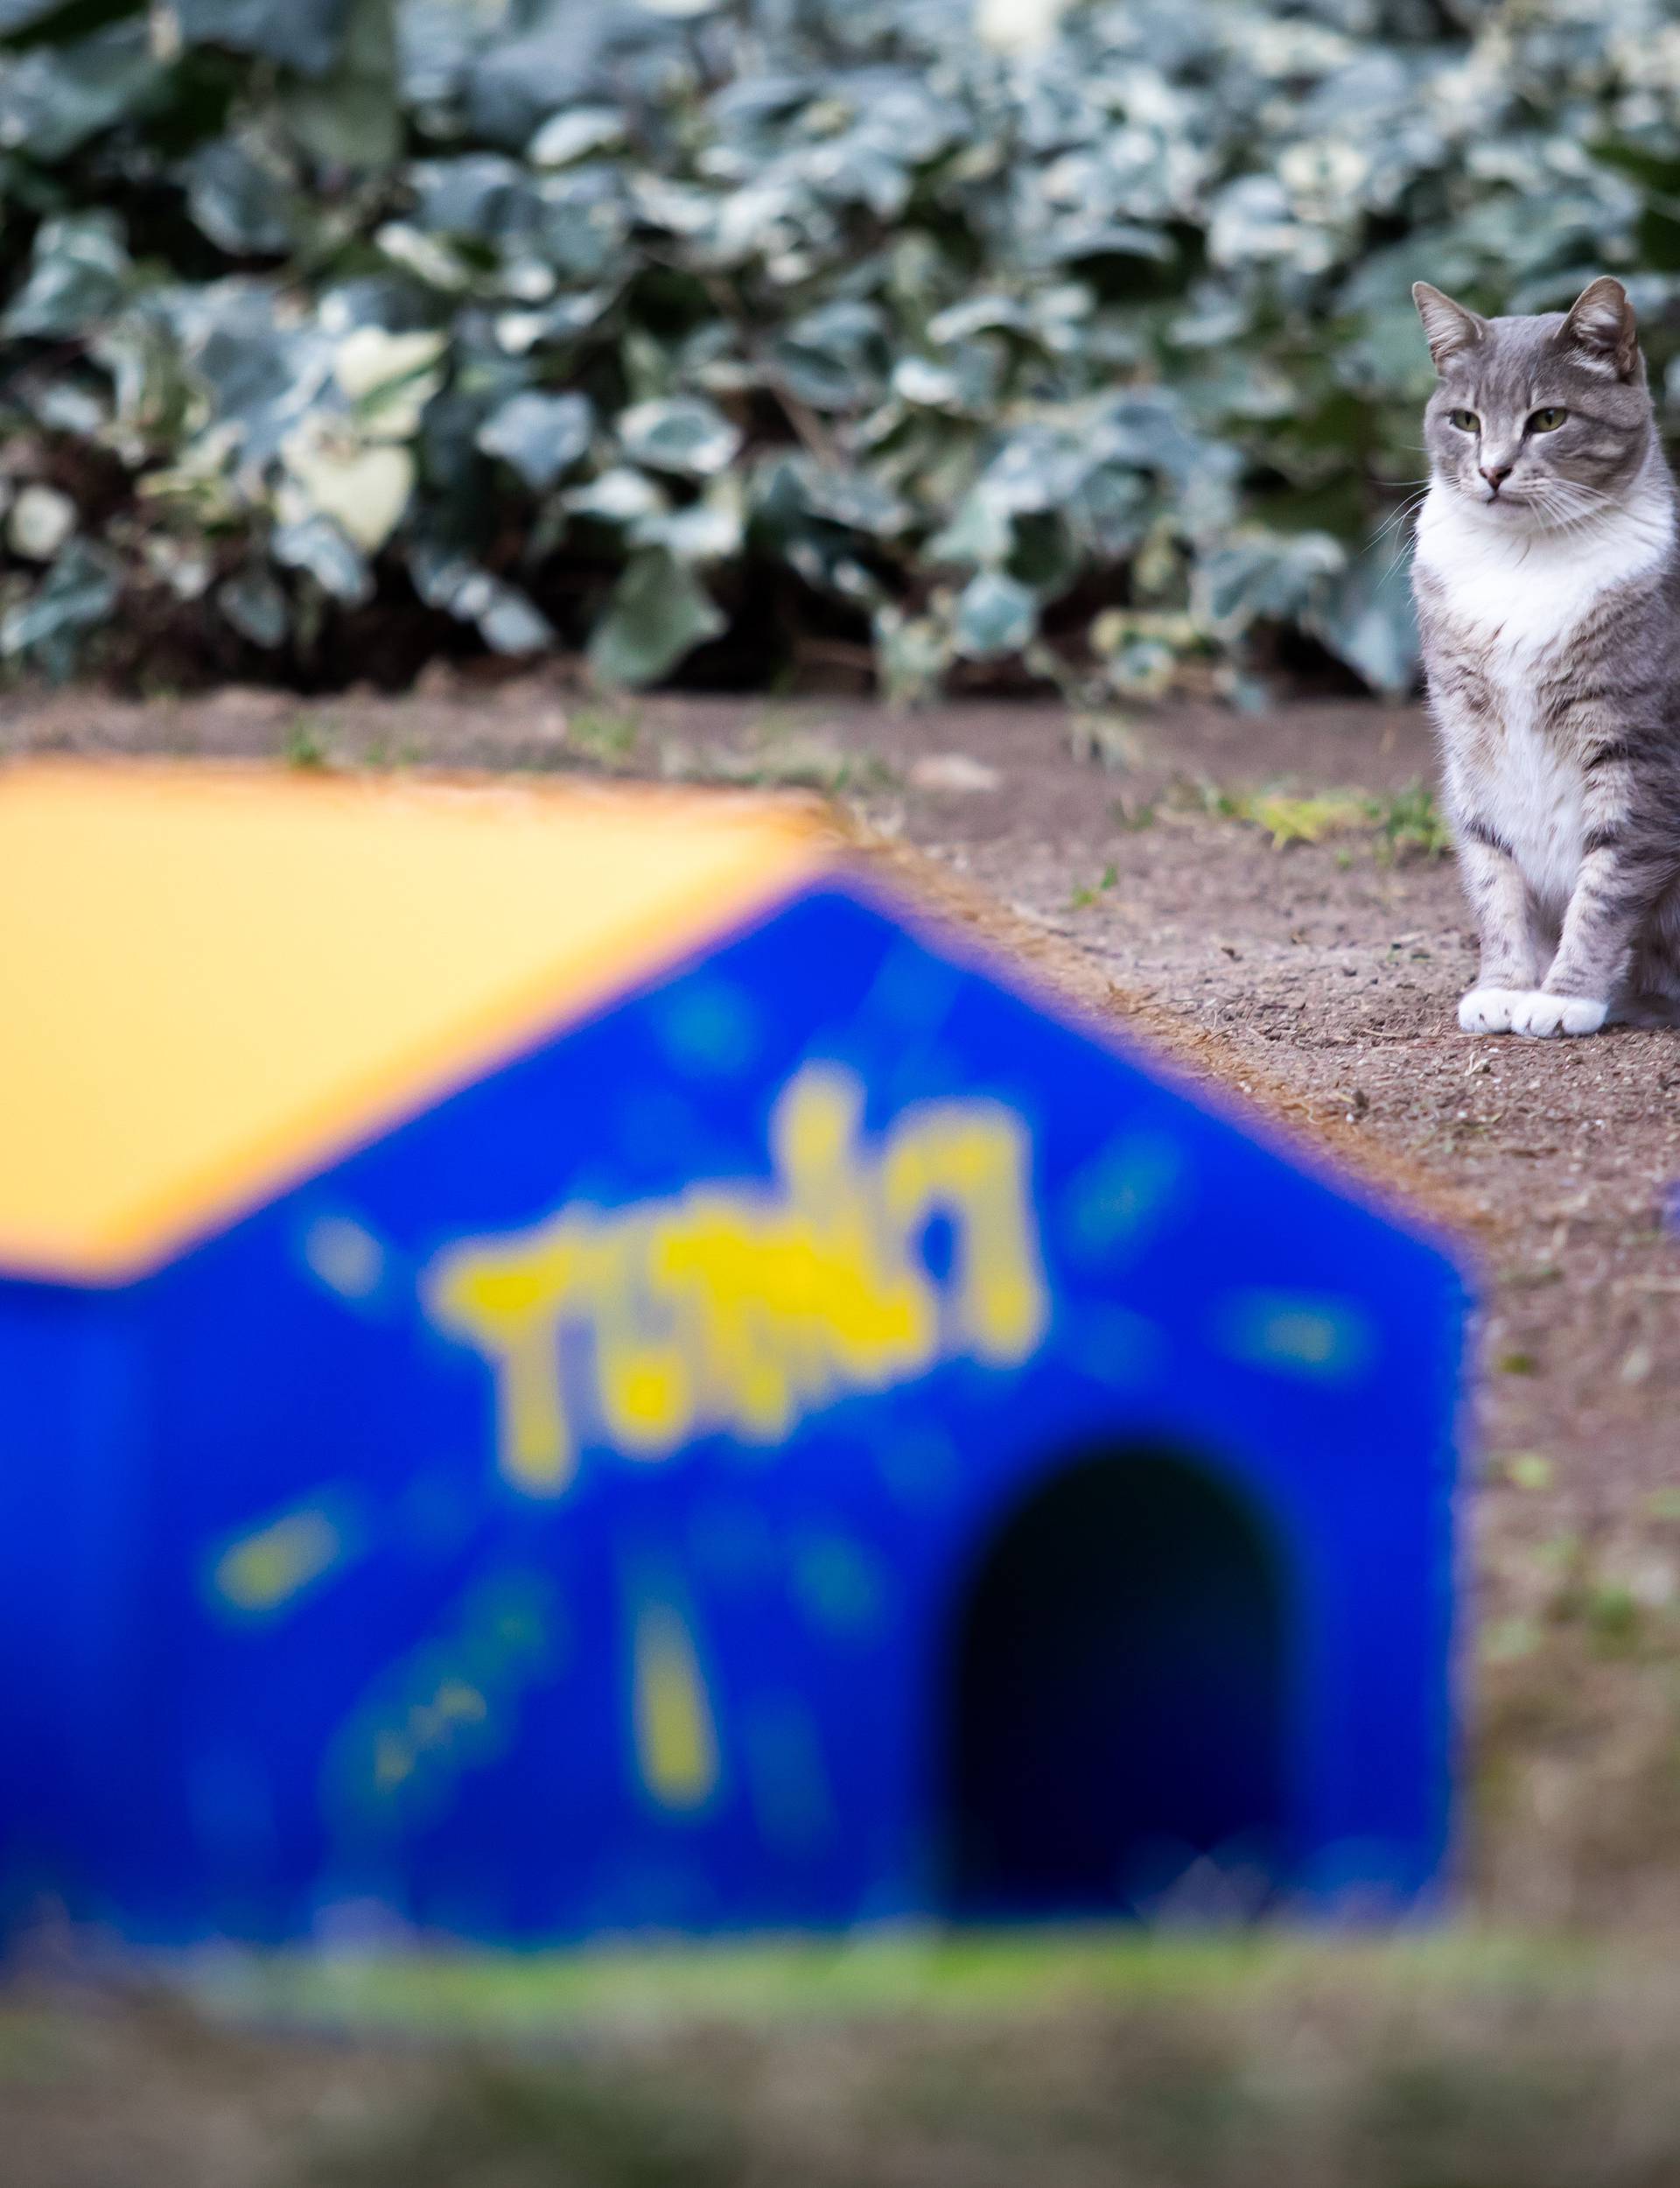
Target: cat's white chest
1533, 785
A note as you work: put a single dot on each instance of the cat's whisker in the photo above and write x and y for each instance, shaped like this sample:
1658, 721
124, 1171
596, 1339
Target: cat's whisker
1395, 517
1572, 508
1407, 544
1402, 550
1406, 508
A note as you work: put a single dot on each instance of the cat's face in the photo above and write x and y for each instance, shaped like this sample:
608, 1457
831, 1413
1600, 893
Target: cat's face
1537, 423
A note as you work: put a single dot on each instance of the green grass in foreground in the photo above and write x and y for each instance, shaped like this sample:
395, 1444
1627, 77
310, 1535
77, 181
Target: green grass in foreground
872, 1977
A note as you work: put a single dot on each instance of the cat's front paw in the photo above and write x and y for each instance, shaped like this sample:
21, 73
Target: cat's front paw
1510, 1010
1490, 1010
1542, 1017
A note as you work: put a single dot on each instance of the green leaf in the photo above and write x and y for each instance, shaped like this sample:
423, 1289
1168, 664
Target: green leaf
306, 35
504, 618
684, 434
542, 436
347, 115
834, 357
53, 99
76, 596
982, 533
256, 606
237, 201
1263, 575
659, 612
996, 614
22, 15
511, 624
915, 652
572, 135
1366, 617
317, 545
78, 275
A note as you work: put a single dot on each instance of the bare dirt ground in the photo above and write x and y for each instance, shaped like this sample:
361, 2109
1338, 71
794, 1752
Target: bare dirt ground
1319, 980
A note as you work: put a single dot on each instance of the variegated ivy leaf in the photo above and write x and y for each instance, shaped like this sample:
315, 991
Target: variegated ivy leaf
683, 434
659, 612
996, 614
541, 436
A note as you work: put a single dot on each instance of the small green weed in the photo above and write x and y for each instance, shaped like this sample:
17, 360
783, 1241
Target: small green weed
778, 756
1410, 824
607, 735
1305, 820
1528, 1470
1082, 899
305, 745
1405, 824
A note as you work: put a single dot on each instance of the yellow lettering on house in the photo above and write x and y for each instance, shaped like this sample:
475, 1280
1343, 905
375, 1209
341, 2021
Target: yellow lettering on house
743, 1306
676, 1743
266, 1570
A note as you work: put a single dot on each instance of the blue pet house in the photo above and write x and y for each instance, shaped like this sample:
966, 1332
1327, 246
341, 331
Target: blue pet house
570, 1365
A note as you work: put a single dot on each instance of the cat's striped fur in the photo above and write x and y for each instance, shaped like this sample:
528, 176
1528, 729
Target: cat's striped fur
1547, 577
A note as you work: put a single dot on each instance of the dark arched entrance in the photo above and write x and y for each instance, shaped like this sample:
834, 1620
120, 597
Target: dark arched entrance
1118, 1699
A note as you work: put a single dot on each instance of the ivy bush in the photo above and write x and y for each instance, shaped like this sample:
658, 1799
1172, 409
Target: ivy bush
715, 338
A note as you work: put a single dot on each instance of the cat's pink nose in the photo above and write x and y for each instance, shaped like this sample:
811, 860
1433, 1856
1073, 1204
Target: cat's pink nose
1495, 473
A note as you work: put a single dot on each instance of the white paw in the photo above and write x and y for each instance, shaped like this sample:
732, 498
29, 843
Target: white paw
1490, 1010
1542, 1016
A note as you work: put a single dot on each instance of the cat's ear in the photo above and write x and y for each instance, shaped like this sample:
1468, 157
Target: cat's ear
1600, 330
1448, 328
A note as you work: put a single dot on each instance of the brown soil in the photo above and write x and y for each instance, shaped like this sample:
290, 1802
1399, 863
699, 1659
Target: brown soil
1319, 980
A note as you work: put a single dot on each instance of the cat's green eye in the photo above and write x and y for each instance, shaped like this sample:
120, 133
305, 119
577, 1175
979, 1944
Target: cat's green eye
1547, 421
1466, 421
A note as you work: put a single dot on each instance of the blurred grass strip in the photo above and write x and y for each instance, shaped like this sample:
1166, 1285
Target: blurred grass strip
942, 1976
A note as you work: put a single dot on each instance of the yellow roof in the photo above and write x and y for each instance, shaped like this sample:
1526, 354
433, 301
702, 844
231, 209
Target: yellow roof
215, 980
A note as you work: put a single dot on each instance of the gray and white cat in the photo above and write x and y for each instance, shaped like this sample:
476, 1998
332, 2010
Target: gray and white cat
1547, 577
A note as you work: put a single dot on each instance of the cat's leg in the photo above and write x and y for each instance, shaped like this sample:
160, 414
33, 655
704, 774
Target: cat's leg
1652, 996
1507, 927
1617, 892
